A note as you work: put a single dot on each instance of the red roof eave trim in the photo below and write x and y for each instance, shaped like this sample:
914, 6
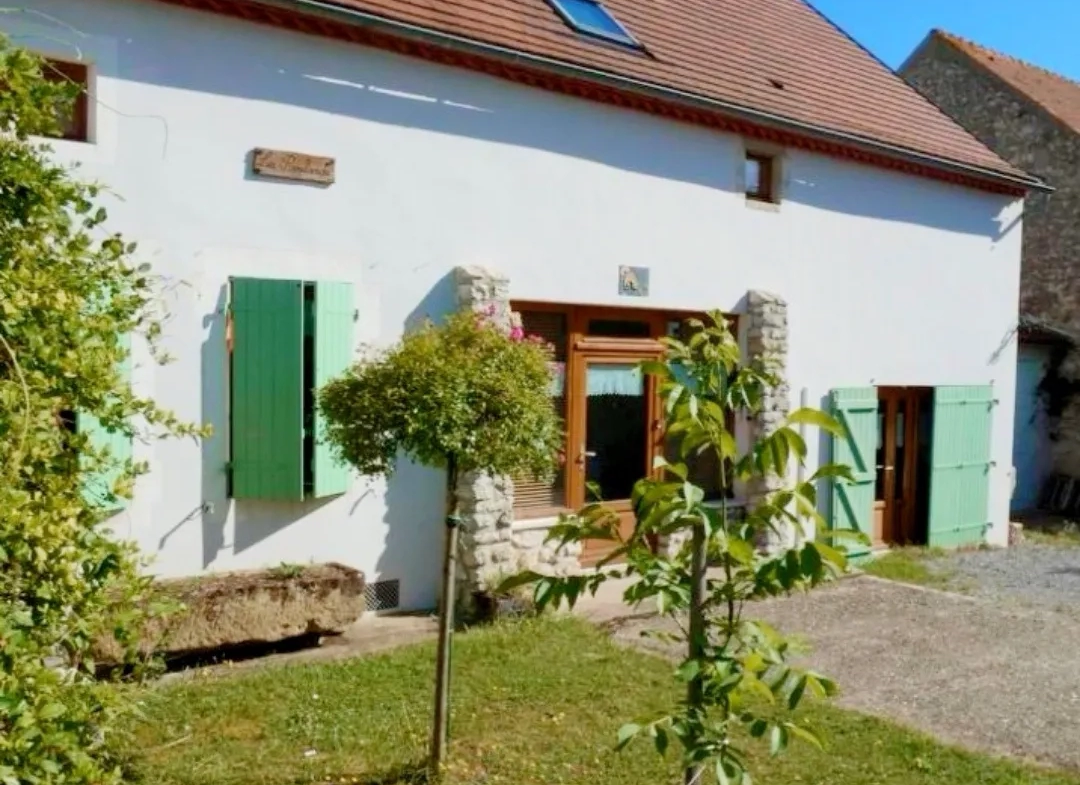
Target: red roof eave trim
582, 88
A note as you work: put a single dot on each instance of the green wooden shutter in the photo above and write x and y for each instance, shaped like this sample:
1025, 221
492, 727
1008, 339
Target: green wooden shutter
267, 389
97, 487
334, 311
853, 504
960, 473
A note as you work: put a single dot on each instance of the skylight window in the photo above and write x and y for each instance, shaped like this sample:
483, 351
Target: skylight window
591, 18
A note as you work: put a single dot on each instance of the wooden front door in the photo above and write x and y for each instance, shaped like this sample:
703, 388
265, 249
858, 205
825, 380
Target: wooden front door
896, 507
614, 423
616, 430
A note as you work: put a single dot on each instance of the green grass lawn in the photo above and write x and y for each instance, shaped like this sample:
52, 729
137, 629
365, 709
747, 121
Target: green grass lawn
534, 703
910, 565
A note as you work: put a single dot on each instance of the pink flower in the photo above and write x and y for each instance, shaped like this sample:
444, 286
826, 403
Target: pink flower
517, 334
490, 310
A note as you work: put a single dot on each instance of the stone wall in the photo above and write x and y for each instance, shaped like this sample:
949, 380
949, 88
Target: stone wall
489, 546
484, 291
1027, 136
767, 343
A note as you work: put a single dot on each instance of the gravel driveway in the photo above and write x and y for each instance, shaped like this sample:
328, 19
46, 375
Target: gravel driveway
1044, 576
998, 678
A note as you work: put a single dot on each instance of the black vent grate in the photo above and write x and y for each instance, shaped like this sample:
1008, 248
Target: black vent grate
382, 595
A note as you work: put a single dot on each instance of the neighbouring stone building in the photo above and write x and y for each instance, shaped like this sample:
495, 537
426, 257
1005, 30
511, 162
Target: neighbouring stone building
1031, 118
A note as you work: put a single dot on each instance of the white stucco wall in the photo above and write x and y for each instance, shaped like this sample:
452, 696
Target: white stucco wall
890, 279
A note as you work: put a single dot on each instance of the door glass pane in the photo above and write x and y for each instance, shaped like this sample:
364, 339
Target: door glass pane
703, 469
753, 176
619, 328
900, 460
616, 428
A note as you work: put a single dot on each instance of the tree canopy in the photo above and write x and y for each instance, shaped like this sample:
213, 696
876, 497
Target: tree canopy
462, 391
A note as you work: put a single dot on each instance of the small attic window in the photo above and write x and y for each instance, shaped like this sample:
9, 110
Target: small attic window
75, 122
760, 178
591, 18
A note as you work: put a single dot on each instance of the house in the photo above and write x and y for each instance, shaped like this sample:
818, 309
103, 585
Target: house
309, 177
1031, 118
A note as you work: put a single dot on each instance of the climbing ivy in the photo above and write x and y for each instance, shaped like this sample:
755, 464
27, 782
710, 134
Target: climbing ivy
70, 296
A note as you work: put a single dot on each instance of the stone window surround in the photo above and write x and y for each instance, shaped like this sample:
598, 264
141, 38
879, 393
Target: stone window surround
492, 543
779, 156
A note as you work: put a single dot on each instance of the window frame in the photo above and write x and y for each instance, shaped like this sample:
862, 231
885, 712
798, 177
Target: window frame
56, 69
768, 165
626, 38
579, 344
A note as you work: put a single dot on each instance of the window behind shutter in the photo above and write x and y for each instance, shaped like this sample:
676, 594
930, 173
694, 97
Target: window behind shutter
533, 494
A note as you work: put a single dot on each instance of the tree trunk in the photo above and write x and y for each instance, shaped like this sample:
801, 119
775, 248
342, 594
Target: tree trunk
446, 625
695, 694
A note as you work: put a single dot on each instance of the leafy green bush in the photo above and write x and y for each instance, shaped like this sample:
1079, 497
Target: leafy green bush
462, 394
68, 298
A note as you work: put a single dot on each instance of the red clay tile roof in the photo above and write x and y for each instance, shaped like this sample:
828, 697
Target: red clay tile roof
1054, 93
735, 51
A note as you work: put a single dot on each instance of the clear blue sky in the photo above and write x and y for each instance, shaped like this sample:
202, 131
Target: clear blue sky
1044, 32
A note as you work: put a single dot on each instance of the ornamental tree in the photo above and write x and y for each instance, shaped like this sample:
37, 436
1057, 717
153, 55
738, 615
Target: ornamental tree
735, 669
464, 396
70, 298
